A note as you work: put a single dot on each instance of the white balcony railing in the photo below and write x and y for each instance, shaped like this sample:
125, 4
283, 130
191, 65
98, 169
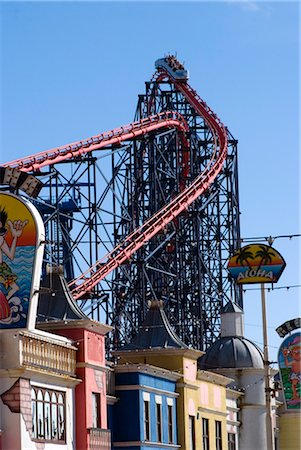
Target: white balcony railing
39, 353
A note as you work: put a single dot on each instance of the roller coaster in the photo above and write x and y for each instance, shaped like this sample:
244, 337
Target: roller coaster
145, 211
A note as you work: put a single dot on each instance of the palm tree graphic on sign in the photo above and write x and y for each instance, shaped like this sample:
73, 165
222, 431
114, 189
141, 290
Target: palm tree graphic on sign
266, 254
244, 255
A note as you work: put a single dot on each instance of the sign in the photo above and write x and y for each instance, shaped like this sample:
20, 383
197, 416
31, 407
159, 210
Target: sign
21, 253
256, 263
289, 360
17, 179
288, 326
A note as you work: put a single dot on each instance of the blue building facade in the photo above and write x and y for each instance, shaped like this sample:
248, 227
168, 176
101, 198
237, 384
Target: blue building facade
144, 415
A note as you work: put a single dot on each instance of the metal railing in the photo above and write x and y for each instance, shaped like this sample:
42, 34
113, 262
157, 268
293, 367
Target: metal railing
99, 439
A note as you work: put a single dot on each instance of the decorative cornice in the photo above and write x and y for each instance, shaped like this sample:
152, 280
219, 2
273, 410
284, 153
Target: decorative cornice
147, 369
205, 375
45, 336
232, 408
233, 394
142, 387
237, 371
188, 352
86, 324
42, 376
194, 387
88, 365
233, 422
212, 411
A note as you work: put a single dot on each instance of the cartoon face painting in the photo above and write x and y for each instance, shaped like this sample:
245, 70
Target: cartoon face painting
289, 358
18, 247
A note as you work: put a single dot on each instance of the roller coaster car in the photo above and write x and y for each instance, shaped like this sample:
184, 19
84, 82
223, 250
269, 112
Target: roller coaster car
172, 66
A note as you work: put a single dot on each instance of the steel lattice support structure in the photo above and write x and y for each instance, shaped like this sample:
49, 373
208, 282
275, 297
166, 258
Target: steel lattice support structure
90, 202
186, 264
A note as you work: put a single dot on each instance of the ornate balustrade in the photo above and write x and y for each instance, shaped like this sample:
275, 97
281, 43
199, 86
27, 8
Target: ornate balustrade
41, 353
99, 439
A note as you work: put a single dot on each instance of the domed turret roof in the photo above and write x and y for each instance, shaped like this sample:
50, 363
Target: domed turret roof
232, 352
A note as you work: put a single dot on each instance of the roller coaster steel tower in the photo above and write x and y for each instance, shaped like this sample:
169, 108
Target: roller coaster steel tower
133, 194
185, 265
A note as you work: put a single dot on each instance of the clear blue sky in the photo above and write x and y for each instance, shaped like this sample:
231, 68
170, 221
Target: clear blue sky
74, 69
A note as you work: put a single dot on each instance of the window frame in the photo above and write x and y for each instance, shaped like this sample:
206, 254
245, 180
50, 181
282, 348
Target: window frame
54, 408
146, 419
159, 421
205, 433
96, 410
192, 445
218, 435
170, 423
232, 443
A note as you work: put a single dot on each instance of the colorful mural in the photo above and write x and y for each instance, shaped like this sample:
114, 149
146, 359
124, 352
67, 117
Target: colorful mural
256, 263
19, 239
289, 360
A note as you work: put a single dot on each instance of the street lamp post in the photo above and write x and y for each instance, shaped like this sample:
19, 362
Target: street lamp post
268, 417
260, 263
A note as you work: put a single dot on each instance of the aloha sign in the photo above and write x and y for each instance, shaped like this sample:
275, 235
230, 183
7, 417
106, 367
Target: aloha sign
256, 263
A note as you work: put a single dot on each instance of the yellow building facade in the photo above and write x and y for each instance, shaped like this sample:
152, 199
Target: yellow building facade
202, 401
290, 430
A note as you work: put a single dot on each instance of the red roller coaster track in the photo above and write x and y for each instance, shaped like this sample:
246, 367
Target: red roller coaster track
86, 281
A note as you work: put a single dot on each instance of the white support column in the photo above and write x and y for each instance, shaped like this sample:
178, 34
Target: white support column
269, 427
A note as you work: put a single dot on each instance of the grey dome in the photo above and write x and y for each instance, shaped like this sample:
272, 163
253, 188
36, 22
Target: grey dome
231, 352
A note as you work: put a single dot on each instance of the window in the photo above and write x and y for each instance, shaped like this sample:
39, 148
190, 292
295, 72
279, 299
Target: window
146, 420
48, 415
159, 421
231, 441
218, 435
170, 422
205, 429
96, 410
192, 432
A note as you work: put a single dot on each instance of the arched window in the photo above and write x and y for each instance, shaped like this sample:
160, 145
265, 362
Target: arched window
48, 415
40, 412
34, 428
54, 434
61, 417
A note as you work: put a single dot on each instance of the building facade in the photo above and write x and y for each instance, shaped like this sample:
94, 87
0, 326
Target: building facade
201, 395
53, 377
145, 412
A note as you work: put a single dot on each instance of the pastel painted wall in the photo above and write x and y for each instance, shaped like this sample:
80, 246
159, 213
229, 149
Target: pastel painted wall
206, 400
290, 431
132, 389
92, 371
200, 398
163, 400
